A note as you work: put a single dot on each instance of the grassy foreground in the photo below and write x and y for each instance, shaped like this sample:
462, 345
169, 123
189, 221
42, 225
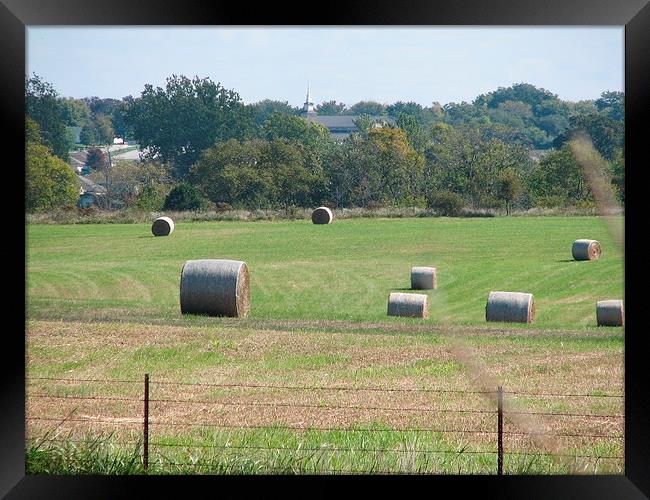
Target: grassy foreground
241, 396
342, 271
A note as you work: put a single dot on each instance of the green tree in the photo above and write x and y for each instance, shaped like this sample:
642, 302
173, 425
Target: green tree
462, 161
104, 127
415, 133
176, 123
295, 128
557, 176
607, 134
371, 108
32, 131
75, 112
617, 167
458, 113
120, 119
612, 104
185, 197
330, 108
405, 108
50, 183
260, 174
375, 167
263, 109
125, 180
364, 124
523, 92
102, 106
89, 135
98, 132
509, 187
45, 108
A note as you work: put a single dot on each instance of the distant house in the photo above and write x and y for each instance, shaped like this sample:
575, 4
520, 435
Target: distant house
118, 140
90, 193
340, 126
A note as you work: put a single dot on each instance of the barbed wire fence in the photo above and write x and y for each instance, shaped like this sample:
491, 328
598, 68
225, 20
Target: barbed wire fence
141, 416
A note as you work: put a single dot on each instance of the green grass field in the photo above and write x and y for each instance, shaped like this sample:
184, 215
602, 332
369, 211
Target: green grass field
342, 271
103, 304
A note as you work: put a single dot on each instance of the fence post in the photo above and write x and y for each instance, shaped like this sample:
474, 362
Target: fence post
145, 441
500, 431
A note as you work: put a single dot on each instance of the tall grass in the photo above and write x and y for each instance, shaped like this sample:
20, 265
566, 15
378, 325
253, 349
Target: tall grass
276, 452
93, 215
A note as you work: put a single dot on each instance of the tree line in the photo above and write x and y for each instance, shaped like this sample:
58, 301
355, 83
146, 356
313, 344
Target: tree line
203, 147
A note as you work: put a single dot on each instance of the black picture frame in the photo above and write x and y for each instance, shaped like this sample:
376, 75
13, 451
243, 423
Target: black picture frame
15, 15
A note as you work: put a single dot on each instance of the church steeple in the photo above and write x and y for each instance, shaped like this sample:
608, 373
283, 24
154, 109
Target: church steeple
308, 107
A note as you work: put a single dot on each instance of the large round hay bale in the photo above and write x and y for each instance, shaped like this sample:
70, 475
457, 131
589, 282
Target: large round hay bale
423, 278
162, 226
610, 313
215, 287
412, 305
586, 250
511, 307
322, 215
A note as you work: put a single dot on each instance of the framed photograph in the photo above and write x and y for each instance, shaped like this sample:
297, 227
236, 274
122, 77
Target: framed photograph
366, 243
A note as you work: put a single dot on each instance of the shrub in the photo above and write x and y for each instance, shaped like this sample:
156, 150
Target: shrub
373, 205
551, 201
222, 206
447, 203
185, 197
152, 197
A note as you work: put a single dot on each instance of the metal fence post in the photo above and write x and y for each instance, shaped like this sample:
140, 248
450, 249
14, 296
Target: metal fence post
145, 441
500, 431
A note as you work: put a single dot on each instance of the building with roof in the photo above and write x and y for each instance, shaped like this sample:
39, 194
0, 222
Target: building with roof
340, 126
90, 193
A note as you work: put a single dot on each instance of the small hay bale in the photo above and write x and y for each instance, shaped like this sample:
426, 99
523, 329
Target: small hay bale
511, 307
413, 305
322, 215
586, 250
610, 313
215, 287
423, 278
162, 226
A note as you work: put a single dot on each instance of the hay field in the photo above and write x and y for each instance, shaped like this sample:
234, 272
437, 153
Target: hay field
340, 271
318, 379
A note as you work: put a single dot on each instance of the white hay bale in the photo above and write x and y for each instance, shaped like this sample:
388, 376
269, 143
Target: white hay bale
322, 215
512, 307
215, 287
610, 313
423, 278
586, 250
412, 305
162, 226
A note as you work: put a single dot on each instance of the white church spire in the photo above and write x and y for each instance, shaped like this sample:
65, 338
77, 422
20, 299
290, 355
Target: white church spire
308, 107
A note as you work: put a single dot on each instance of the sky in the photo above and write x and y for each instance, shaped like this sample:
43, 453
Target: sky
346, 64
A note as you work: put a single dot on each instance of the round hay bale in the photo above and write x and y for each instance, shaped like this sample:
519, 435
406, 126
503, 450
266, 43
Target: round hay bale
586, 250
215, 287
511, 307
412, 305
322, 215
162, 226
610, 313
423, 278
